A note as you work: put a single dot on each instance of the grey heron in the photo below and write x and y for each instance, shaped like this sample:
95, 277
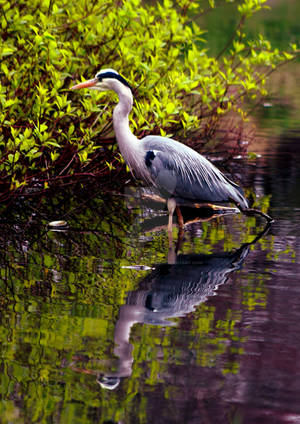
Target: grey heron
177, 171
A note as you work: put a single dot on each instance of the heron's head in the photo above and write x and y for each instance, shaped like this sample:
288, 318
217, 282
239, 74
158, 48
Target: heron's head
106, 79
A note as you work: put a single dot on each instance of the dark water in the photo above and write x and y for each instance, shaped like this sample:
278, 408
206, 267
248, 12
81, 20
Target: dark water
104, 323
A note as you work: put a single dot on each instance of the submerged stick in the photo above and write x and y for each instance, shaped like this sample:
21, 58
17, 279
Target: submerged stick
217, 208
253, 212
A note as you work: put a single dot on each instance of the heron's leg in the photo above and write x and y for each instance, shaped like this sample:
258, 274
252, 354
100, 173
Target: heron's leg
179, 240
171, 203
173, 250
172, 255
180, 217
180, 223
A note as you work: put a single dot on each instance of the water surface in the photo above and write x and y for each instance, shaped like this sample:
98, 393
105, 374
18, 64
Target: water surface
102, 322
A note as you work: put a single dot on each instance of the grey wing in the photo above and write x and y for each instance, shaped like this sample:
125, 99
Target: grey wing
182, 172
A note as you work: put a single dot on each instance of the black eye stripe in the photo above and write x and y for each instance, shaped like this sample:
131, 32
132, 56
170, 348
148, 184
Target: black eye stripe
113, 76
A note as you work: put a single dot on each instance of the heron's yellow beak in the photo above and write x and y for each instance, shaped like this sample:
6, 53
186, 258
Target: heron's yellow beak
85, 84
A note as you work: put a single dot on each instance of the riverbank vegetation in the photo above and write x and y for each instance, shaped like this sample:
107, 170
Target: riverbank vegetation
49, 135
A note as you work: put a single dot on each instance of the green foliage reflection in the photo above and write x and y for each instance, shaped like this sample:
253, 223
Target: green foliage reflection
61, 297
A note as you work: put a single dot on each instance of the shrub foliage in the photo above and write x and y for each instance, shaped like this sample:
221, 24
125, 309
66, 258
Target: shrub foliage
48, 134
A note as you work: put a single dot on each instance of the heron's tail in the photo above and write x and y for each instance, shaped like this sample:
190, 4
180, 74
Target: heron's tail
236, 194
241, 202
240, 199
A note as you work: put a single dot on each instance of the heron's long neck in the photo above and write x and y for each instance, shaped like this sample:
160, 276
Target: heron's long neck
128, 143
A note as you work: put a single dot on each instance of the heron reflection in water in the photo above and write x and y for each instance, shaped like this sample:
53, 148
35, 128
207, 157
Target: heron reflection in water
170, 290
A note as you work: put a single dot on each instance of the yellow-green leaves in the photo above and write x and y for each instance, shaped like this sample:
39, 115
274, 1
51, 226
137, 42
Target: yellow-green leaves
248, 7
159, 47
